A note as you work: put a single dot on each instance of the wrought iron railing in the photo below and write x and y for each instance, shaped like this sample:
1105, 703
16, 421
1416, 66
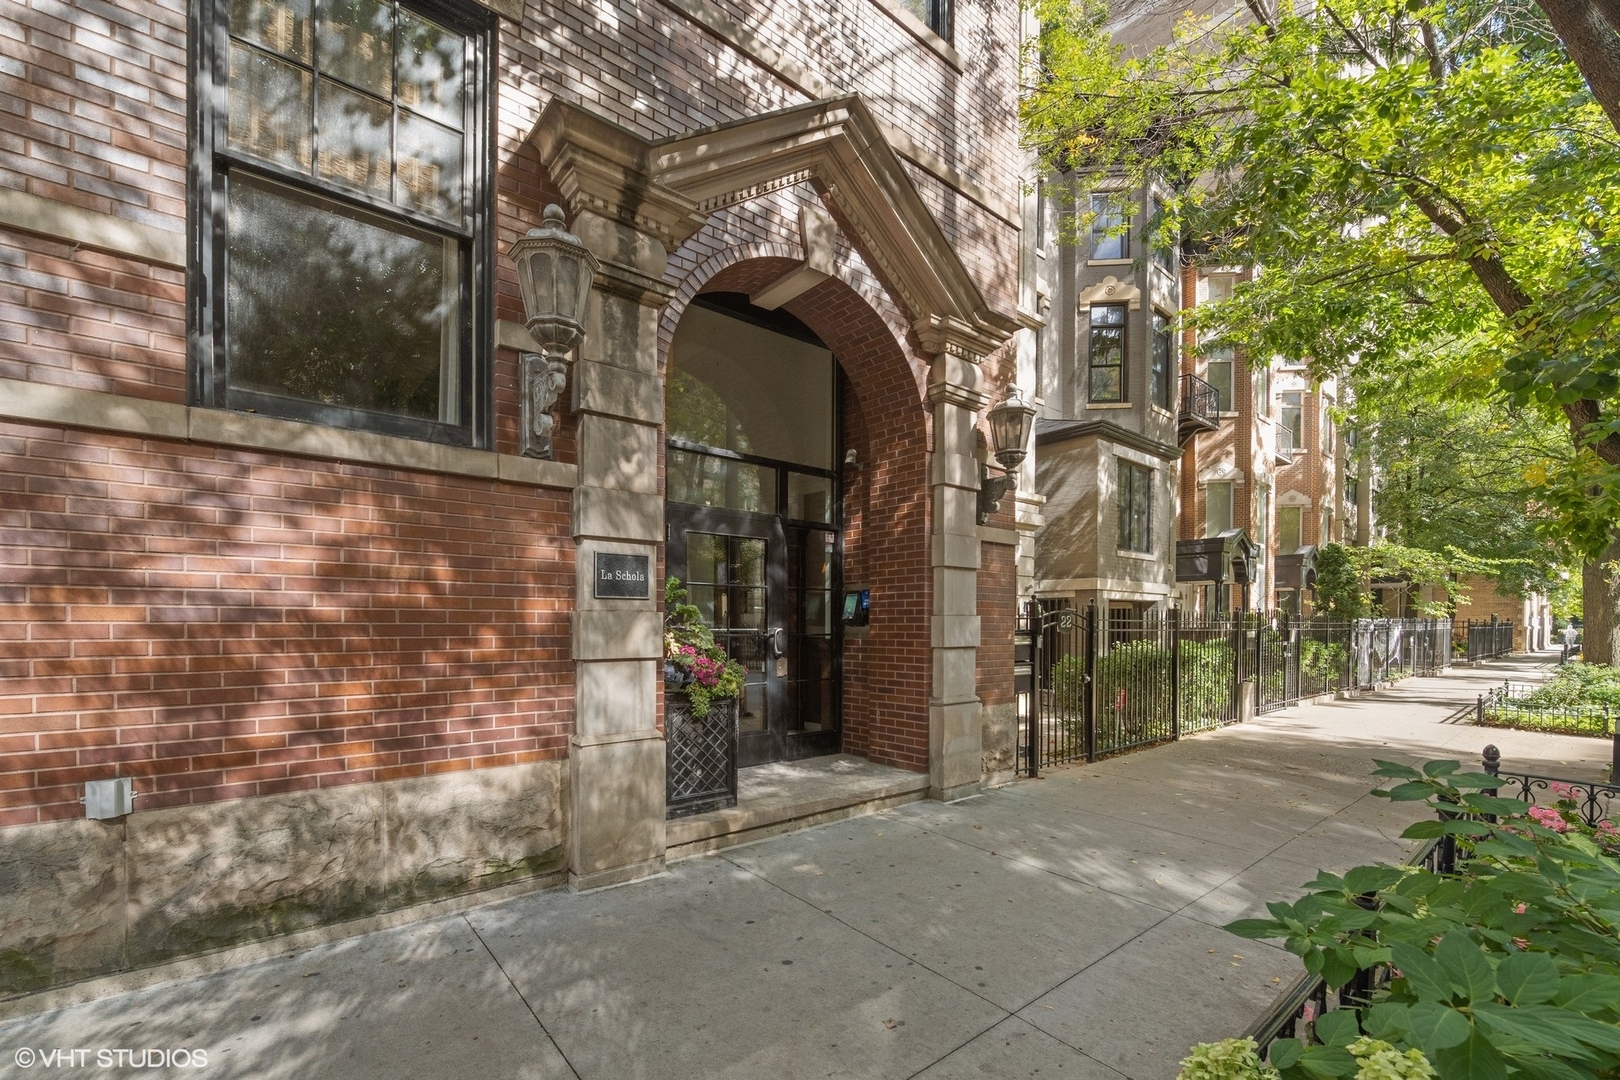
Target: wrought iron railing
1487, 640
1283, 447
1088, 689
1200, 407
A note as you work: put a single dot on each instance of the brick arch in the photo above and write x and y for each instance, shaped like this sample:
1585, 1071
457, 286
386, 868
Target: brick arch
887, 676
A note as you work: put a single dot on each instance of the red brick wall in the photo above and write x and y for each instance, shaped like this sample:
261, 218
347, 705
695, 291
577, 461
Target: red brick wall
998, 609
224, 623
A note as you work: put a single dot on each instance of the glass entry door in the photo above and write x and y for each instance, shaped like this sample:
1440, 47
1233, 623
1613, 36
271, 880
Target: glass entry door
765, 588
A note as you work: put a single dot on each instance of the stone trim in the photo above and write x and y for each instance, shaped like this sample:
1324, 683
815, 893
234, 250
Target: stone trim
90, 228
989, 535
40, 403
921, 31
710, 16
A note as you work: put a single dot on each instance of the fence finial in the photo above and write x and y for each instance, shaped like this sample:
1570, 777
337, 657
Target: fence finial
1491, 759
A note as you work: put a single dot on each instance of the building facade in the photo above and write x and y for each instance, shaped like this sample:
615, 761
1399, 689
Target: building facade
302, 535
1110, 401
1276, 476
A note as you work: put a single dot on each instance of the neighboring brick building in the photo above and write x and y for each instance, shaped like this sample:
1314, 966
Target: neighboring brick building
1276, 469
268, 543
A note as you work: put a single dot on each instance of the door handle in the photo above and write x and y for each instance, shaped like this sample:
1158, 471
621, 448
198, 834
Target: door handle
775, 636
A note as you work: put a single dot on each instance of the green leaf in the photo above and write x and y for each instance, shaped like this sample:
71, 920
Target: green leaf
1466, 966
1441, 768
1427, 829
1285, 1052
1472, 1059
1411, 791
1494, 804
1436, 1027
1366, 879
1589, 994
1426, 978
1482, 781
1337, 1027
1257, 928
1387, 1021
1528, 978
1328, 1061
1395, 770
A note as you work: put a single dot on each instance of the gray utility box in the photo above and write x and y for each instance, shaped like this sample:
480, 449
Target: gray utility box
104, 799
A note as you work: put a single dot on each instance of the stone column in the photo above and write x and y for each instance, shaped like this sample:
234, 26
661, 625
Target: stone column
616, 755
955, 724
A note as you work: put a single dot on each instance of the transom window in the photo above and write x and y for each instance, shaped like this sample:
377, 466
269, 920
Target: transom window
1135, 503
344, 244
1107, 353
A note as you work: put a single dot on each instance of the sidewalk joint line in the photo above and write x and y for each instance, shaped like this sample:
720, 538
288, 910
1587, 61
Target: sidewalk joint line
541, 1024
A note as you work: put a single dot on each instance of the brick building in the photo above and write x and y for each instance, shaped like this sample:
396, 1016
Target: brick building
271, 545
1275, 471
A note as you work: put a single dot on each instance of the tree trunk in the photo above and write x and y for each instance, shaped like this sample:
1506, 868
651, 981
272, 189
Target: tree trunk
1593, 44
1600, 607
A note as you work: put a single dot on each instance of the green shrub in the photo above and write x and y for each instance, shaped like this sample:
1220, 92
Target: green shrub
1579, 684
1322, 661
1508, 968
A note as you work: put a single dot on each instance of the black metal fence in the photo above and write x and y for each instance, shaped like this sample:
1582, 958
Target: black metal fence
1090, 690
1519, 705
1488, 639
700, 773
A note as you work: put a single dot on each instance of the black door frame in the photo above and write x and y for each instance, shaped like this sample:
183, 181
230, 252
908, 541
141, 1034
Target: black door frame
777, 742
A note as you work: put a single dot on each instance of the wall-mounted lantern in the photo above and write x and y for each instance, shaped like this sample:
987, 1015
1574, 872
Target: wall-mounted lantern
1009, 433
554, 274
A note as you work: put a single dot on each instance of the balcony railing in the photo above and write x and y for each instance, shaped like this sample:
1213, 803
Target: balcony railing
1284, 449
1200, 408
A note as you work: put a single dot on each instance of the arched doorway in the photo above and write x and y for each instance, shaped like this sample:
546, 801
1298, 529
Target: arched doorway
754, 512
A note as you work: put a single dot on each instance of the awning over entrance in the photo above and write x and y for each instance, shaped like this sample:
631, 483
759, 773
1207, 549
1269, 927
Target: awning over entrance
1228, 558
1297, 569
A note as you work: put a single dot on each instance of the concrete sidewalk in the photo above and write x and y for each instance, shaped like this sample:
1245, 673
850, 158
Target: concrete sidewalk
1066, 926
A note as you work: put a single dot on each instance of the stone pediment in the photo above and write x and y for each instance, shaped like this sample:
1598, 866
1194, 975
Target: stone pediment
669, 187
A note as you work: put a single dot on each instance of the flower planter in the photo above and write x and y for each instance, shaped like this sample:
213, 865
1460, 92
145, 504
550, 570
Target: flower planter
700, 772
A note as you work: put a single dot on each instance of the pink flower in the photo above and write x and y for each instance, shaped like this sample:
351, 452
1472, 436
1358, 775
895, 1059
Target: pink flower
1560, 788
1518, 909
1548, 818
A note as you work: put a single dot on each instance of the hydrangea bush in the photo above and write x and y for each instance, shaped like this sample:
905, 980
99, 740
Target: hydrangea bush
1507, 968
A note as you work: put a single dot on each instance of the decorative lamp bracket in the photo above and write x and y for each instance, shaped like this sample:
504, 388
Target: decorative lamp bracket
555, 272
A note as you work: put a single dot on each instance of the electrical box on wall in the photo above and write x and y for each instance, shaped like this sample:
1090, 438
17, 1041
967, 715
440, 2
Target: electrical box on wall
106, 799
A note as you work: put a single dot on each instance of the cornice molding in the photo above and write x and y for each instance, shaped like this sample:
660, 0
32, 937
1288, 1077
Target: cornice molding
1048, 432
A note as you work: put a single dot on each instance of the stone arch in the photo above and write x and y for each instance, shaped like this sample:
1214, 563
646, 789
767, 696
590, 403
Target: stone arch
887, 423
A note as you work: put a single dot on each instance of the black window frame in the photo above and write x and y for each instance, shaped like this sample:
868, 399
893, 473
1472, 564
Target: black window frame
1133, 482
1096, 330
212, 163
1161, 361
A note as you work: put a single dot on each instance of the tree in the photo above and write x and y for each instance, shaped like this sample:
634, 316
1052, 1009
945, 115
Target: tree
1407, 177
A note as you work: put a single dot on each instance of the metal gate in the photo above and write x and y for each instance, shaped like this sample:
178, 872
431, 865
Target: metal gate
1144, 678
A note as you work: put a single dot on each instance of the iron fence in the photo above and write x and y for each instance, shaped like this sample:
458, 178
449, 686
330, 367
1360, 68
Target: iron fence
1487, 639
1519, 705
1087, 690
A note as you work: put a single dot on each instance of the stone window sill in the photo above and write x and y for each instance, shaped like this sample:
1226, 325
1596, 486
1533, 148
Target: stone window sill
921, 31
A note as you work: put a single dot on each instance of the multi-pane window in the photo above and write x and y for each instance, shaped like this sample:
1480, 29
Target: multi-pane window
1110, 228
935, 14
1107, 354
1217, 508
1293, 415
1290, 528
1134, 498
1163, 361
342, 213
1164, 253
1219, 375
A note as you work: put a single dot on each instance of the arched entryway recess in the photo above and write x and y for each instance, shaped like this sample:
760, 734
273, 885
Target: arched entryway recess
880, 670
634, 202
